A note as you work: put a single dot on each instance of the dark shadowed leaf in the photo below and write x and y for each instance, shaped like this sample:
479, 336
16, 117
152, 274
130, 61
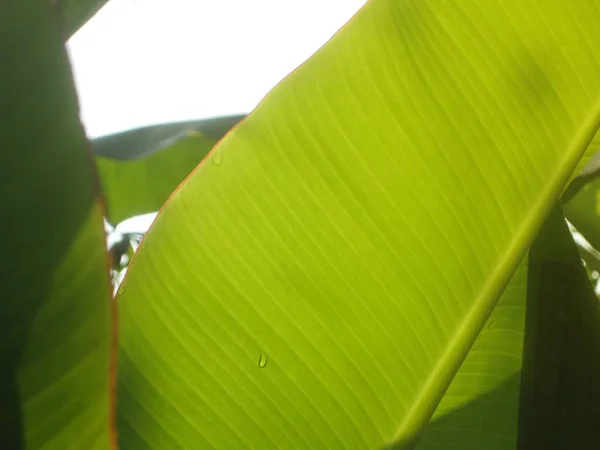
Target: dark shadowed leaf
145, 141
73, 14
481, 407
560, 389
55, 321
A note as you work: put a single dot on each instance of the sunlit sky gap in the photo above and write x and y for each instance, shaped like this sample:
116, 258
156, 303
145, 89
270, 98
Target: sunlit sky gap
139, 62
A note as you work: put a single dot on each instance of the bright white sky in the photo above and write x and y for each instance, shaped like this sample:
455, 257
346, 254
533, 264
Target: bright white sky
139, 62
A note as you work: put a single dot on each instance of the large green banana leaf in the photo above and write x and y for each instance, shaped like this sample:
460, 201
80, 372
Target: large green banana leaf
318, 280
480, 409
55, 326
140, 168
486, 406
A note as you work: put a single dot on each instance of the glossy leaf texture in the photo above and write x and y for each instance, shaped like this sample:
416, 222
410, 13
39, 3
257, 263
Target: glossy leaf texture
55, 320
319, 279
560, 393
140, 168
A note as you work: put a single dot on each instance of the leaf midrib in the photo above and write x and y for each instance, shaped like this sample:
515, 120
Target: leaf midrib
448, 364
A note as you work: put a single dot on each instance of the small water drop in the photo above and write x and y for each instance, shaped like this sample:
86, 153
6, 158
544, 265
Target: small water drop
119, 288
262, 360
217, 158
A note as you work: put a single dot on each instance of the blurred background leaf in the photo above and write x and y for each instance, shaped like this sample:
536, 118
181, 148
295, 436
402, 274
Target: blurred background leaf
140, 168
56, 386
583, 211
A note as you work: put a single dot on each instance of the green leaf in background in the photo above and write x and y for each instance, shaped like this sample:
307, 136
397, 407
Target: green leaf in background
560, 391
55, 320
72, 14
582, 205
480, 409
590, 161
587, 170
583, 211
140, 168
319, 279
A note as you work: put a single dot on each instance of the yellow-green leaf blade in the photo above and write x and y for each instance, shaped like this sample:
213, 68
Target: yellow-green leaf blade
55, 325
540, 394
423, 138
480, 409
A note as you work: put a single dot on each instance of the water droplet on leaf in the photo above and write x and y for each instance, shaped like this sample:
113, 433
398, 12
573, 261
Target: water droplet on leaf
217, 158
262, 360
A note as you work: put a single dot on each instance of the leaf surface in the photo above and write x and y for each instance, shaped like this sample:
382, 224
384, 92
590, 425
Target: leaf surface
560, 393
73, 14
140, 168
487, 405
583, 211
587, 170
480, 409
55, 321
284, 298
